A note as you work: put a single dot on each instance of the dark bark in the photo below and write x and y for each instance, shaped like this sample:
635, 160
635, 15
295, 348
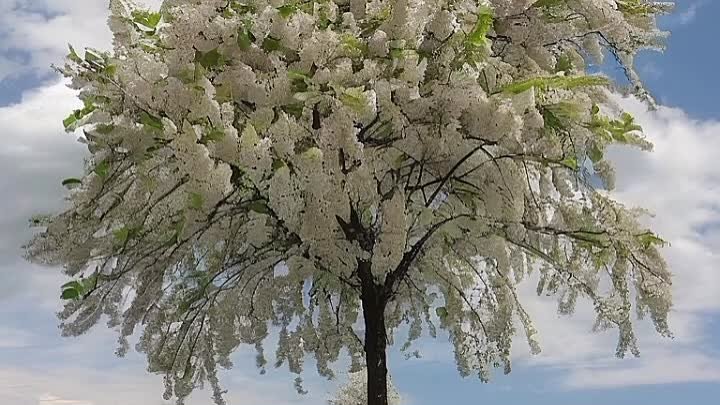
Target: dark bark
374, 303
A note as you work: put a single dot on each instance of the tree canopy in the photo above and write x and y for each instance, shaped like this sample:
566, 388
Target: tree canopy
326, 172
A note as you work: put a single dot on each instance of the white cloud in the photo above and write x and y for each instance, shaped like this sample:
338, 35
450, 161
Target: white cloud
11, 338
688, 15
680, 183
125, 385
34, 158
651, 70
49, 399
657, 368
34, 33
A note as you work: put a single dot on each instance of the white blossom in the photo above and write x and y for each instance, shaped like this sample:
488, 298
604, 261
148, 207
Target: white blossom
353, 392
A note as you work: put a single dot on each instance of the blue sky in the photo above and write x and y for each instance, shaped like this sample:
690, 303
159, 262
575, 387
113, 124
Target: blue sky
686, 75
679, 182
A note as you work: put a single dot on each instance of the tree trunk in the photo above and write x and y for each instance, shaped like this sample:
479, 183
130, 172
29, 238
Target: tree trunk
375, 343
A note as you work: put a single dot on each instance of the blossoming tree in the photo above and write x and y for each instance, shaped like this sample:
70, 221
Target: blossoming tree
327, 171
354, 392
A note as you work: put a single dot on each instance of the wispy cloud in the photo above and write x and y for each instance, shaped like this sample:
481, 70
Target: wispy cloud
49, 399
656, 368
651, 70
34, 149
688, 15
11, 338
72, 385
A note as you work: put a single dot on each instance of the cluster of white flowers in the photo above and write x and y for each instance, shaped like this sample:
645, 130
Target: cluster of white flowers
354, 392
449, 144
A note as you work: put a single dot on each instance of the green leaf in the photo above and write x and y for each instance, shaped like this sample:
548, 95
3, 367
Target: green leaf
322, 20
354, 97
595, 153
555, 82
187, 75
353, 45
551, 120
241, 7
89, 283
622, 131
642, 8
401, 53
294, 74
245, 38
71, 182
184, 306
146, 18
287, 10
548, 3
476, 43
110, 70
72, 290
70, 294
150, 121
124, 234
187, 302
628, 122
564, 64
260, 207
104, 129
154, 19
441, 312
565, 110
95, 58
477, 36
571, 162
277, 163
102, 169
295, 109
121, 235
196, 201
72, 284
214, 135
271, 44
70, 121
649, 239
299, 80
210, 59
73, 56
224, 93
